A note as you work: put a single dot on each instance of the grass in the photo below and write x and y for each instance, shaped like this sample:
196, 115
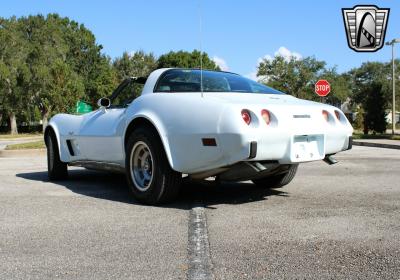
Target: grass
21, 135
29, 145
360, 135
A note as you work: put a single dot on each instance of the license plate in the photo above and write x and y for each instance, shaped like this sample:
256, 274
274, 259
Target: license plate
307, 148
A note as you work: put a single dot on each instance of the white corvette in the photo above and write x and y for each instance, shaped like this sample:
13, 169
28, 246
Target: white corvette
198, 123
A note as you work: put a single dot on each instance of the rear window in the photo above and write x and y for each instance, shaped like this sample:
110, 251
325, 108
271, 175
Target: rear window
182, 80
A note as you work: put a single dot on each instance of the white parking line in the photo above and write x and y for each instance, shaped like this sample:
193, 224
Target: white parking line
200, 265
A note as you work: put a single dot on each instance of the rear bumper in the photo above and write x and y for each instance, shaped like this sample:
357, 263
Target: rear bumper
253, 148
233, 143
231, 148
282, 147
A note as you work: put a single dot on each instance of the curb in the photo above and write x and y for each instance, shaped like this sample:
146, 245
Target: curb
22, 153
30, 138
376, 145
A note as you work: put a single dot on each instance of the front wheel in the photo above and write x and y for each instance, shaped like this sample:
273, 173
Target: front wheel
277, 181
57, 170
151, 180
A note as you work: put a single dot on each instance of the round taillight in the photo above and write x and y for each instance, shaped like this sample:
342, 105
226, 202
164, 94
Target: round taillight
266, 116
246, 116
326, 115
337, 114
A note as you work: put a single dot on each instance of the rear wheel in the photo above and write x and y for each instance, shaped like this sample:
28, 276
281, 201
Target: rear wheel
57, 170
151, 180
277, 181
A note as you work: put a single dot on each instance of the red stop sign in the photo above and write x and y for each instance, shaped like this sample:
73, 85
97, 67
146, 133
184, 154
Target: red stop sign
322, 88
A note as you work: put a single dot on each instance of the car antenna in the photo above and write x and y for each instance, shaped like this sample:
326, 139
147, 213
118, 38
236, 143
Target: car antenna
201, 50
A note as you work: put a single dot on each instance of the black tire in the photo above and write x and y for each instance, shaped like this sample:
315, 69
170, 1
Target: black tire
165, 183
57, 170
277, 181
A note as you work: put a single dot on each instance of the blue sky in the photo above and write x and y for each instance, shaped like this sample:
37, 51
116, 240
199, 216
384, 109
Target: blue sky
235, 32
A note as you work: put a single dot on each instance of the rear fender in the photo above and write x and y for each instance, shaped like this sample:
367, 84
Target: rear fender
158, 126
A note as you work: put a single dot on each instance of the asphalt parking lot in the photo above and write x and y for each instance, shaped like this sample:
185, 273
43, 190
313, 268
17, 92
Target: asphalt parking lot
331, 222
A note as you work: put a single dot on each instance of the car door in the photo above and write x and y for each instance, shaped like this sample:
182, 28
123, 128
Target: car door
101, 134
99, 137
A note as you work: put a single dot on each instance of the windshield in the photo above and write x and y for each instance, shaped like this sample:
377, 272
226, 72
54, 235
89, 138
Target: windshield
185, 80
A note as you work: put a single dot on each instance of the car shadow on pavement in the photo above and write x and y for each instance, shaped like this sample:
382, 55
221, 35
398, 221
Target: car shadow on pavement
113, 187
212, 193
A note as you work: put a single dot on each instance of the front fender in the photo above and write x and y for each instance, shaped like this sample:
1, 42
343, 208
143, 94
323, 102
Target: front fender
54, 126
64, 125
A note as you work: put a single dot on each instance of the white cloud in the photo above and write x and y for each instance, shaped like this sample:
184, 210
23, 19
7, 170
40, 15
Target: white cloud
287, 54
266, 57
132, 53
252, 76
221, 63
282, 51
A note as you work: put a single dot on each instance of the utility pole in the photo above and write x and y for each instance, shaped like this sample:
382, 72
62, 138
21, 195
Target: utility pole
391, 43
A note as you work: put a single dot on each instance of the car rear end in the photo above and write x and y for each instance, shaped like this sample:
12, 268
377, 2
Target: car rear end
289, 131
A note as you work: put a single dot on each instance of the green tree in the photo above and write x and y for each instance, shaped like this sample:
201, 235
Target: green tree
371, 83
375, 105
294, 76
138, 64
61, 50
365, 76
43, 56
13, 70
84, 55
101, 80
184, 59
65, 87
46, 50
360, 116
340, 86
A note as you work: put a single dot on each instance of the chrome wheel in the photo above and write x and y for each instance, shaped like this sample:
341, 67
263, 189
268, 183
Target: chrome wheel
141, 162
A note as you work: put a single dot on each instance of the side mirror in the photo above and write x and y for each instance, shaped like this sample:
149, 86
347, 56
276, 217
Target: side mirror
104, 102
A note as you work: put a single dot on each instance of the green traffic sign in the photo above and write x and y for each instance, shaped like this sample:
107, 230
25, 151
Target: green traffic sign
82, 107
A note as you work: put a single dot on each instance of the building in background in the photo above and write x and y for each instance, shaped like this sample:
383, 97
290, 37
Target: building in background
389, 116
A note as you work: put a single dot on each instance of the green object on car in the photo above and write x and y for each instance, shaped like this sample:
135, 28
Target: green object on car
83, 107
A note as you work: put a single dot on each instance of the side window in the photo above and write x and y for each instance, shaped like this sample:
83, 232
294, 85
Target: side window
126, 95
